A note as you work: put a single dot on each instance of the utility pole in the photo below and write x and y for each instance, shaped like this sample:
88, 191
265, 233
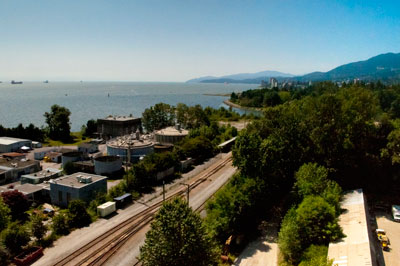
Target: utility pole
188, 190
163, 190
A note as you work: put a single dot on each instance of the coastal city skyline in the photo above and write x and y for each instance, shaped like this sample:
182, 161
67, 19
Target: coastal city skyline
171, 41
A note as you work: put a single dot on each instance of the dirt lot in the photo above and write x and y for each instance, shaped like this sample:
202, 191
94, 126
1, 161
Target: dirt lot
392, 228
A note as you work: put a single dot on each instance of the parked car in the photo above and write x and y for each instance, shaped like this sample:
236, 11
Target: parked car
396, 212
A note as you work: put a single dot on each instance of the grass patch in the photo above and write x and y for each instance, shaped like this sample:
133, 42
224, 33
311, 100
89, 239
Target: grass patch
76, 139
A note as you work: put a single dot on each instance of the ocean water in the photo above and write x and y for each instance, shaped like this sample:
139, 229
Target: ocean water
26, 103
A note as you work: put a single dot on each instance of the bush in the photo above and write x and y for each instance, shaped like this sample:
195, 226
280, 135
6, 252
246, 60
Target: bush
15, 237
78, 216
38, 229
60, 224
315, 256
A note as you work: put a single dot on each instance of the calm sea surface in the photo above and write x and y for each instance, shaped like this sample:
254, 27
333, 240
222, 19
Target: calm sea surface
26, 103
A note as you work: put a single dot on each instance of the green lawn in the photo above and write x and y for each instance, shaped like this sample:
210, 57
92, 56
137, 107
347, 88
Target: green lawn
76, 139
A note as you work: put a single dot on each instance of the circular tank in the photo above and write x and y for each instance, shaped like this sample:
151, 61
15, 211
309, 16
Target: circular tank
72, 156
170, 135
137, 148
107, 164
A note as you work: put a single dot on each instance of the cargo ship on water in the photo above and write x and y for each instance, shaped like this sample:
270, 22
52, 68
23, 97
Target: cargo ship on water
16, 82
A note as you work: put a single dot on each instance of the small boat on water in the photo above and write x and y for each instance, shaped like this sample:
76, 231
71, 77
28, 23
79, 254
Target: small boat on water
16, 82
46, 81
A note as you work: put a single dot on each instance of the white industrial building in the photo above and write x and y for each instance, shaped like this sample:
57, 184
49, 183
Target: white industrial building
8, 144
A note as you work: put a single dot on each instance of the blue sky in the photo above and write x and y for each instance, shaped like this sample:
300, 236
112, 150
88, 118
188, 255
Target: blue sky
177, 40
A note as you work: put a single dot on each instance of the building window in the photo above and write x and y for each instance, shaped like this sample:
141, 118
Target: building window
60, 196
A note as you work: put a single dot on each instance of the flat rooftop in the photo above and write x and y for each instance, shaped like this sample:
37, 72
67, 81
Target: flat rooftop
25, 188
120, 118
131, 142
354, 249
14, 163
172, 131
44, 173
73, 180
9, 140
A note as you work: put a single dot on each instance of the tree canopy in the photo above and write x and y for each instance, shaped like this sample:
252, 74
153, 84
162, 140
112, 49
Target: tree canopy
59, 126
177, 237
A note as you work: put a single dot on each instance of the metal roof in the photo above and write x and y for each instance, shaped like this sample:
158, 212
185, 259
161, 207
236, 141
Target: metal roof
9, 140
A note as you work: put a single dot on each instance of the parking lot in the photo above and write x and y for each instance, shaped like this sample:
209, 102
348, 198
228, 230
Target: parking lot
392, 228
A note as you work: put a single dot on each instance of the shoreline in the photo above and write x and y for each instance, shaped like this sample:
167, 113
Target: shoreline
231, 104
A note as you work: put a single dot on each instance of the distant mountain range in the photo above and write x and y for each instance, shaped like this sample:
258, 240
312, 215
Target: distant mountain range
241, 78
381, 67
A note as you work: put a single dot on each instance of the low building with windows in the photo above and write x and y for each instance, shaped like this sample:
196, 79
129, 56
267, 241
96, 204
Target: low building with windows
80, 186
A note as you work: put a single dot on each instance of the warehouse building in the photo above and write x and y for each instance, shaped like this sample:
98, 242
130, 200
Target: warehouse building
8, 144
80, 186
170, 135
114, 126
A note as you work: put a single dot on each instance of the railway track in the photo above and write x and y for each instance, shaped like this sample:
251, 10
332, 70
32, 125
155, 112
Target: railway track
100, 249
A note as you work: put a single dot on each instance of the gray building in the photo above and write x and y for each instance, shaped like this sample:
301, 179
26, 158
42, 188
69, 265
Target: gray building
12, 170
114, 126
88, 147
80, 185
8, 144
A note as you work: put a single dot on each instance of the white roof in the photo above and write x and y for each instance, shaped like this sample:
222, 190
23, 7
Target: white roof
354, 249
9, 140
107, 204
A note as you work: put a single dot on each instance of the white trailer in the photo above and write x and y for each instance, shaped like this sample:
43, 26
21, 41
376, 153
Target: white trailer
106, 209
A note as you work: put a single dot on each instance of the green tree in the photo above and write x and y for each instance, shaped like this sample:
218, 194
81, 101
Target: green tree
317, 220
60, 224
158, 116
58, 123
38, 228
4, 214
15, 236
177, 237
78, 216
246, 153
290, 243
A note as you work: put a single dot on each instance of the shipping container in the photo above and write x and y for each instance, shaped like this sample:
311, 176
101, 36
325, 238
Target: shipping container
123, 200
106, 209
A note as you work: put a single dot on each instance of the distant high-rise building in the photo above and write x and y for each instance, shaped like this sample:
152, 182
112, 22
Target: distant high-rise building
273, 82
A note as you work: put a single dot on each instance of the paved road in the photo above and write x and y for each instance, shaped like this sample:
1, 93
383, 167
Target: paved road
80, 237
262, 251
392, 228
